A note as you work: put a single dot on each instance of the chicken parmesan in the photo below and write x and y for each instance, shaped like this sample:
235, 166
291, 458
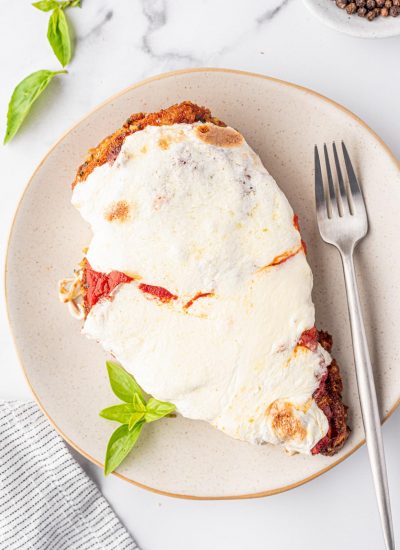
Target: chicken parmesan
196, 281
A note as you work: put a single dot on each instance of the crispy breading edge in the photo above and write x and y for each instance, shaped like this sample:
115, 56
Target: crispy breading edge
329, 399
108, 149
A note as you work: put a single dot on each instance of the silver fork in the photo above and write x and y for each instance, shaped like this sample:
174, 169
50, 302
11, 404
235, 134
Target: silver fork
342, 222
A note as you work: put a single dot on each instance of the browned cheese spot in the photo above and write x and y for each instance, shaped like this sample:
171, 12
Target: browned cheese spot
219, 136
164, 143
285, 424
117, 212
305, 407
144, 149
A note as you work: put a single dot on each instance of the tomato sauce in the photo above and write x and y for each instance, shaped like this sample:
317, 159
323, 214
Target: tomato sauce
100, 285
159, 292
284, 257
196, 297
297, 226
309, 339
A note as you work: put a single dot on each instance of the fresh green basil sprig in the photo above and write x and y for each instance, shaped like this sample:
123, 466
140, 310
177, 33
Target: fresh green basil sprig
58, 33
23, 97
133, 414
48, 5
29, 89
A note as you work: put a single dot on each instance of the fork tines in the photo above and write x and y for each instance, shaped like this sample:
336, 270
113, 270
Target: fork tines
340, 198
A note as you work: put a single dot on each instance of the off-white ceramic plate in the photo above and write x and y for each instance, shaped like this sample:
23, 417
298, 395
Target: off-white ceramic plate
66, 372
340, 20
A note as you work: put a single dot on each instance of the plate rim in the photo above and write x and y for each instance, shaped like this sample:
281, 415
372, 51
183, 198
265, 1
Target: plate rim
139, 84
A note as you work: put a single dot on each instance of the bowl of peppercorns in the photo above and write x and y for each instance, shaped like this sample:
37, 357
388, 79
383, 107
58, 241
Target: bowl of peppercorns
363, 18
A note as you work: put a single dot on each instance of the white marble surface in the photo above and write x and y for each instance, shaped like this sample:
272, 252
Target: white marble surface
119, 43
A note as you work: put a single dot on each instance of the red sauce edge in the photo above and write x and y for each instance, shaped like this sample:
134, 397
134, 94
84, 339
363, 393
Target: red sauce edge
158, 291
278, 260
196, 297
297, 226
100, 285
309, 339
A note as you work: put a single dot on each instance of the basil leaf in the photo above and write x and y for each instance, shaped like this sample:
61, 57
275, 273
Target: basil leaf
134, 419
138, 403
45, 5
119, 445
58, 36
23, 97
70, 4
157, 409
122, 383
48, 5
121, 413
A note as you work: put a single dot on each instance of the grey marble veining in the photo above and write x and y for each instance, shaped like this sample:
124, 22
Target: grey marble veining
269, 14
155, 12
97, 28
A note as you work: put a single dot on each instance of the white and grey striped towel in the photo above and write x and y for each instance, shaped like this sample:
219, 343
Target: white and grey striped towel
47, 502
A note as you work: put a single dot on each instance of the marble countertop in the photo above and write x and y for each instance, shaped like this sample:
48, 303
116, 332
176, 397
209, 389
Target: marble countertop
119, 43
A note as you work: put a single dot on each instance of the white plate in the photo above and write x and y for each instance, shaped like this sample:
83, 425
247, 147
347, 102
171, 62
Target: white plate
338, 19
66, 371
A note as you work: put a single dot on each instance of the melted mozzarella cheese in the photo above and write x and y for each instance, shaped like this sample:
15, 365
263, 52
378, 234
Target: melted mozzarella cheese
197, 216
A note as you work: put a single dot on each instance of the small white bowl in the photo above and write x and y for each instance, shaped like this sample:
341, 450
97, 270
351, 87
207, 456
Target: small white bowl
331, 15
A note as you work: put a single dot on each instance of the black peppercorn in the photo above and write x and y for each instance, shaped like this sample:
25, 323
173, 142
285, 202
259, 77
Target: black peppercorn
371, 9
351, 8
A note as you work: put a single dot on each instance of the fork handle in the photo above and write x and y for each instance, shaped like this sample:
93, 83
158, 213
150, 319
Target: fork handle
368, 400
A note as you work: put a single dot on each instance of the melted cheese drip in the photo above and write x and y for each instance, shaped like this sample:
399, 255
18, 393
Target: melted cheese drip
193, 216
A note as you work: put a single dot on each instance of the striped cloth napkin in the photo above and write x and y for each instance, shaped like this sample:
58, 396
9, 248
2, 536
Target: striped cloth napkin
47, 502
